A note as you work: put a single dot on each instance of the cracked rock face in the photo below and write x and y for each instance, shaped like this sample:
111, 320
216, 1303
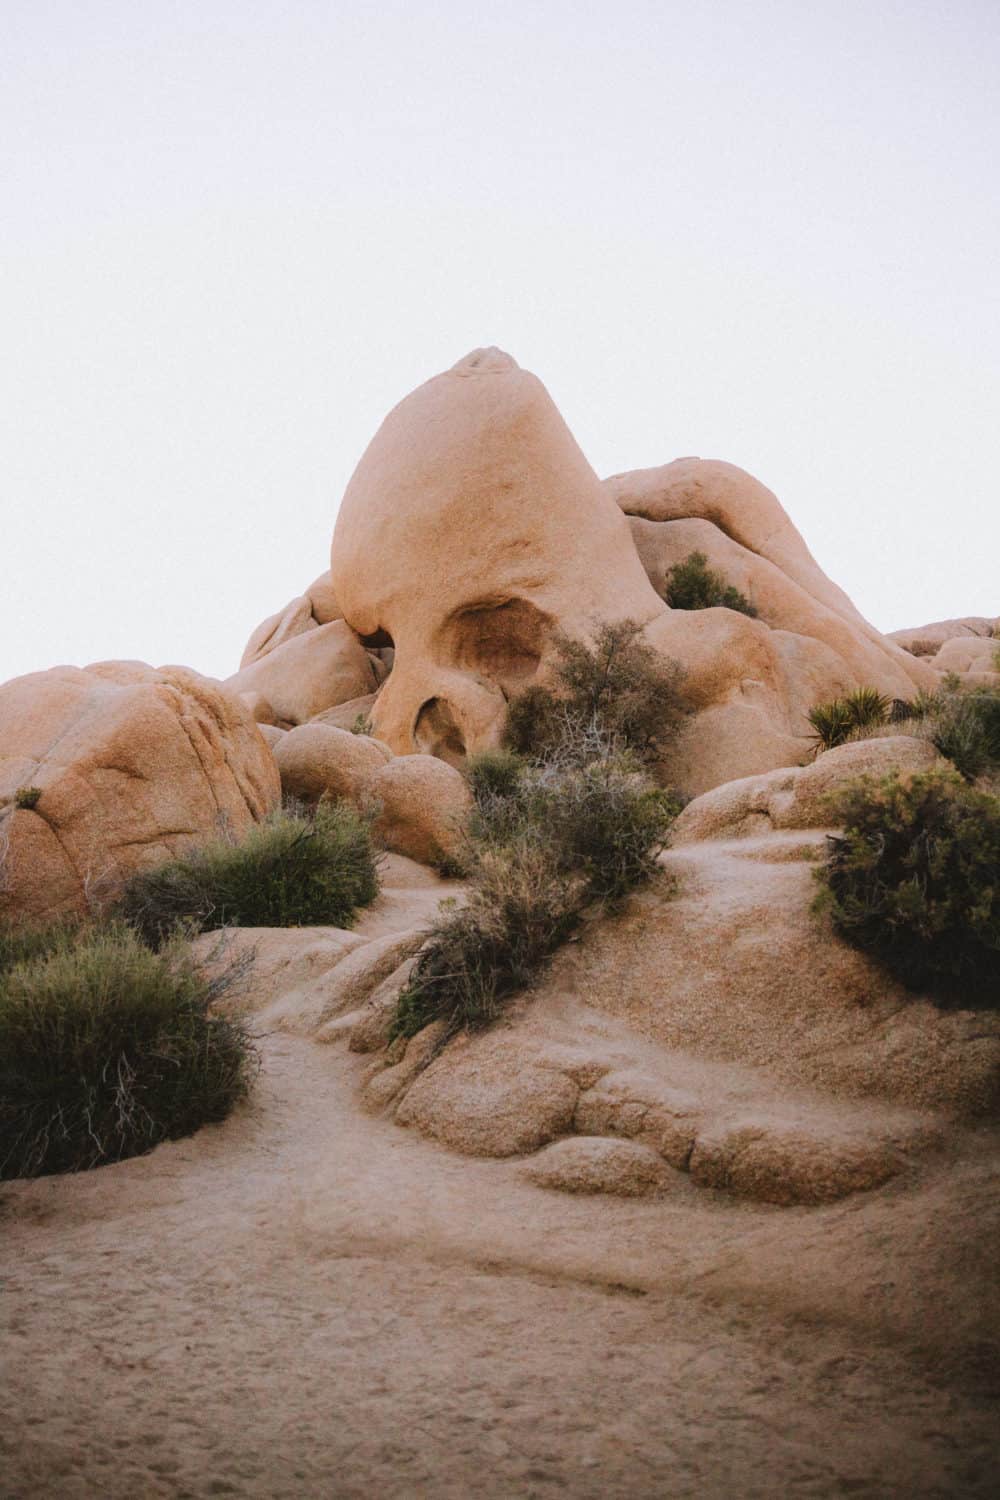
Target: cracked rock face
133, 765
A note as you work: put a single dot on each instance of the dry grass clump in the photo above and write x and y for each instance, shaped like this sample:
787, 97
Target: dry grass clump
914, 880
294, 869
692, 584
615, 691
544, 843
107, 1048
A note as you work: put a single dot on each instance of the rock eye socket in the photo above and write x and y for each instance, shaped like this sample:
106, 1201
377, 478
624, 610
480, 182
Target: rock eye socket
503, 642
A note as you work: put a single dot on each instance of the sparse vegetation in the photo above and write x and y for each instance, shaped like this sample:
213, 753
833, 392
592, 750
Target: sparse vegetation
545, 842
850, 717
965, 727
294, 869
27, 797
107, 1048
692, 584
362, 725
616, 694
963, 724
915, 881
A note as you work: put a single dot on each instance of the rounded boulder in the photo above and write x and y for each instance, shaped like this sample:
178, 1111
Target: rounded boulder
317, 760
423, 806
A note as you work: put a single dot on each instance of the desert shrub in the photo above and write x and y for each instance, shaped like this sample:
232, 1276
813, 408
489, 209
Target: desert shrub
605, 822
692, 584
27, 797
495, 773
915, 881
293, 869
22, 942
965, 727
850, 717
519, 911
107, 1048
617, 693
544, 843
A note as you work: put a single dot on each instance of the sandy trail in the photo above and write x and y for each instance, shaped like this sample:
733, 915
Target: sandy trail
309, 1302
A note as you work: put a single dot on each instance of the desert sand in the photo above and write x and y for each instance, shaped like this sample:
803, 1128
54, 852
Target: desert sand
309, 1300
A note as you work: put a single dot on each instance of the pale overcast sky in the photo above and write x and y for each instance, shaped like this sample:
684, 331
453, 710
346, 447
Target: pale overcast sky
232, 235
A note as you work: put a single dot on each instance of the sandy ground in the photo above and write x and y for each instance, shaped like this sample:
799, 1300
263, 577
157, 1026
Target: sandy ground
309, 1302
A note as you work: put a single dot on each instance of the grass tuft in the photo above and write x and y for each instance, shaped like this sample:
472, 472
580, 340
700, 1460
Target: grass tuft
851, 717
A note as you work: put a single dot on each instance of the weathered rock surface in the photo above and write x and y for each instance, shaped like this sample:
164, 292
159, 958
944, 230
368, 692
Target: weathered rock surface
317, 606
595, 1164
967, 654
485, 1100
308, 672
424, 803
475, 486
134, 764
797, 797
783, 1162
316, 760
926, 640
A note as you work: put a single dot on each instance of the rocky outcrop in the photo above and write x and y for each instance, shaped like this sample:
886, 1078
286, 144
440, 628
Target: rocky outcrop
317, 606
474, 486
797, 797
927, 640
964, 654
316, 760
308, 673
422, 807
132, 765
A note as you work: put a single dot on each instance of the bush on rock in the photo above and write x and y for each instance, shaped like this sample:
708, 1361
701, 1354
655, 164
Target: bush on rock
617, 693
915, 881
544, 842
692, 584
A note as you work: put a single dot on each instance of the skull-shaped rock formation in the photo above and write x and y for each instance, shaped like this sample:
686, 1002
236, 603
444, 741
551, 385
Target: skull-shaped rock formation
473, 529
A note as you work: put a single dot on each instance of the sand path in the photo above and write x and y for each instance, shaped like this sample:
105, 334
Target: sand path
309, 1302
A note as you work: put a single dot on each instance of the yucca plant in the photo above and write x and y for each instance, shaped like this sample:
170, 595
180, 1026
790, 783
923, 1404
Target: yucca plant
868, 707
832, 723
850, 717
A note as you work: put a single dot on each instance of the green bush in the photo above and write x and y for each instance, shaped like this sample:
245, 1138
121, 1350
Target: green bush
27, 797
915, 881
544, 842
965, 727
613, 695
107, 1048
495, 773
692, 584
294, 869
519, 911
605, 822
849, 718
